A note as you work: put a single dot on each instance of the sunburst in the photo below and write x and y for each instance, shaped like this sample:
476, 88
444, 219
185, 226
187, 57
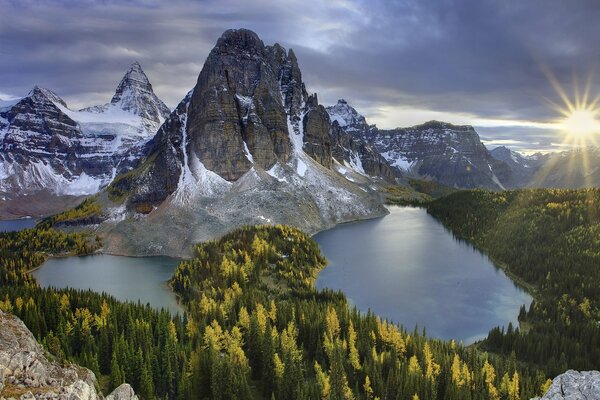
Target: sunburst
579, 123
580, 114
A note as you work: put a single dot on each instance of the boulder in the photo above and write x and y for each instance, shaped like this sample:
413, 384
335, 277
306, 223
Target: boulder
574, 385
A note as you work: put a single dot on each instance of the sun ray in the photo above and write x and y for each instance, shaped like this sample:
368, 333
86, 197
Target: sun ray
579, 123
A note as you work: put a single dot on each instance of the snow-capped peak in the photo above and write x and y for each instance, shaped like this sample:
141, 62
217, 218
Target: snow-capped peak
134, 80
346, 116
135, 94
42, 94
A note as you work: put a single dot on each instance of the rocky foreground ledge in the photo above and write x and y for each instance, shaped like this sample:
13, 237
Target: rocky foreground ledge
574, 385
27, 373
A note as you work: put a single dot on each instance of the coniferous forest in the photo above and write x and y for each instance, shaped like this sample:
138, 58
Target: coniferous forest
549, 241
255, 327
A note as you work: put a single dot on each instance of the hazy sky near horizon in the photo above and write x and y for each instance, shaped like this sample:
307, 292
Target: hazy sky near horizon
399, 63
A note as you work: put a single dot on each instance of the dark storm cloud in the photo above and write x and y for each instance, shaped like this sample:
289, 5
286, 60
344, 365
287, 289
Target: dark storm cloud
478, 57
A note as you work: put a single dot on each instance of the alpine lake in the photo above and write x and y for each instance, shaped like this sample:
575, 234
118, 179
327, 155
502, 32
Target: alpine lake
405, 267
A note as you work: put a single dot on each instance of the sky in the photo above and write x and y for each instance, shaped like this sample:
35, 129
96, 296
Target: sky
481, 62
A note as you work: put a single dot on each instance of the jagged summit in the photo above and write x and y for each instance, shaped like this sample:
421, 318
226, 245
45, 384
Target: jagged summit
38, 92
238, 41
135, 94
347, 117
56, 153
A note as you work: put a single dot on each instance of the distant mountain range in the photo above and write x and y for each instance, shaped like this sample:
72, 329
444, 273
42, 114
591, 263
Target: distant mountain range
578, 168
246, 145
50, 153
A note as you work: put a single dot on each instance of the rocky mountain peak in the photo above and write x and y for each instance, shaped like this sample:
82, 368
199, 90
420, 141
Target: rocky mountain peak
239, 42
43, 95
246, 137
347, 117
135, 94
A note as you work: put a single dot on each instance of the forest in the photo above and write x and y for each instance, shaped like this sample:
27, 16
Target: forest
549, 241
255, 327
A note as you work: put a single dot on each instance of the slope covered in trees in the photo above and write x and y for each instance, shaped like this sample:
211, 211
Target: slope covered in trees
255, 327
550, 241
258, 326
120, 342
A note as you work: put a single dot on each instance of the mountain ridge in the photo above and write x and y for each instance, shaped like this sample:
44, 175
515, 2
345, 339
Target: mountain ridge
50, 151
452, 155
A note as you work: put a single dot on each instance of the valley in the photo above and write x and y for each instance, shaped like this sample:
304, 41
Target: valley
252, 242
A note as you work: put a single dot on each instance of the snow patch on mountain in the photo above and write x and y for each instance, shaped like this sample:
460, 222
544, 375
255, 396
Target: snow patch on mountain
46, 146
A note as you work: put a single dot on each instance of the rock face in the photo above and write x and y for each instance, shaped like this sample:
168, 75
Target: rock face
247, 145
452, 155
574, 385
47, 148
26, 372
360, 156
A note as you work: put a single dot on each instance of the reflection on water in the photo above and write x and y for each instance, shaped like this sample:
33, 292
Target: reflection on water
408, 268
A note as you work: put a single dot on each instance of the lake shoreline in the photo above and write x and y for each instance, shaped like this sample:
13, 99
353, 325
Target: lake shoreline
407, 266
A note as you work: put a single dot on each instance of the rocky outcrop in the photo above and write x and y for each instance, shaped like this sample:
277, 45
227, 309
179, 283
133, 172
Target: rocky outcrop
574, 385
123, 392
27, 373
45, 147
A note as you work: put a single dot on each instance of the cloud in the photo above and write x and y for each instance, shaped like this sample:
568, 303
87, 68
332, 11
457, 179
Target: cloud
393, 60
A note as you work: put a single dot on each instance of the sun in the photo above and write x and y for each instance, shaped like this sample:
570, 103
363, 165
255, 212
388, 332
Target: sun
580, 113
581, 123
578, 122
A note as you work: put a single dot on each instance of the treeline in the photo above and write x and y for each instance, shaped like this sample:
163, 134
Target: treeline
87, 212
255, 327
550, 240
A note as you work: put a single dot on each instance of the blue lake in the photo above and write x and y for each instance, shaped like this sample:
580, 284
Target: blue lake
408, 268
126, 278
17, 224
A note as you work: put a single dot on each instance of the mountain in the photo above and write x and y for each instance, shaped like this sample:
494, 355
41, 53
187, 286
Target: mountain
449, 154
578, 168
348, 118
246, 145
523, 168
351, 151
572, 169
53, 155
